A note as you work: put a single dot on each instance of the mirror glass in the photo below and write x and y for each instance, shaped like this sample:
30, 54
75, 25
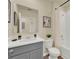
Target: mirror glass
28, 19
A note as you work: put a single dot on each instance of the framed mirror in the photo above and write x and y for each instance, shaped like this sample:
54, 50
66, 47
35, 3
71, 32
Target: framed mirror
27, 20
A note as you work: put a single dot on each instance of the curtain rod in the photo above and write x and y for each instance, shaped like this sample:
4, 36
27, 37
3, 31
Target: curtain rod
62, 4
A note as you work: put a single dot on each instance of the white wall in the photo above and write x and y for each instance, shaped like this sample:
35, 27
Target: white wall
45, 9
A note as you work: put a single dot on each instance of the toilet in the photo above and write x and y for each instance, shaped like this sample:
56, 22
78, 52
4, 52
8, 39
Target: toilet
52, 51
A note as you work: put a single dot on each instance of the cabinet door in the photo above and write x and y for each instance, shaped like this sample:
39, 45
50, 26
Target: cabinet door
22, 56
36, 54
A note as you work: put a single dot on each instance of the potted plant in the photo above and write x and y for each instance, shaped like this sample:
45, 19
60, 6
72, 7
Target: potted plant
48, 35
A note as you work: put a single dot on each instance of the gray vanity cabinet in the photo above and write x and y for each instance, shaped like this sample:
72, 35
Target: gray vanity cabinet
37, 54
22, 56
31, 51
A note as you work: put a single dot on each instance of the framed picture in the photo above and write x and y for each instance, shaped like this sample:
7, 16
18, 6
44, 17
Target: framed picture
46, 22
9, 11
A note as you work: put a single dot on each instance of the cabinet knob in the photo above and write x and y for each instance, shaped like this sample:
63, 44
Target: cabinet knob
11, 51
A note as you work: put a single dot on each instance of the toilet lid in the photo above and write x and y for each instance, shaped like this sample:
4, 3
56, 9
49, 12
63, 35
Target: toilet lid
54, 51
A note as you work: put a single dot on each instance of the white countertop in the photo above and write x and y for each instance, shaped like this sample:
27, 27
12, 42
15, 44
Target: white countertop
23, 42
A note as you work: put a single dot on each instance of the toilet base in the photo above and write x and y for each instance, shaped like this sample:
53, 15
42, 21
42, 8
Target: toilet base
52, 57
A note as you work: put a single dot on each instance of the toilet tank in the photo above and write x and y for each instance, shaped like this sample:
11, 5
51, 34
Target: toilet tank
48, 43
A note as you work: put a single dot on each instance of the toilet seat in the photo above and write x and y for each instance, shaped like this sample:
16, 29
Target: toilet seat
54, 51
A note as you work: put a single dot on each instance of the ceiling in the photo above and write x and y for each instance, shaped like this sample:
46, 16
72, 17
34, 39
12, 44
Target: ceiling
58, 1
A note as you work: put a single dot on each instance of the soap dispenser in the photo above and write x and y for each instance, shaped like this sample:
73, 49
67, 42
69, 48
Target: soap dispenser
19, 37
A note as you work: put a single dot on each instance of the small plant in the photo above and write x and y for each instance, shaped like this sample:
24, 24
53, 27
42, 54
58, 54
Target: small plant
48, 35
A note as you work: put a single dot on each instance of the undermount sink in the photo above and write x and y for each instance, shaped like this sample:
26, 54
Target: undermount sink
26, 39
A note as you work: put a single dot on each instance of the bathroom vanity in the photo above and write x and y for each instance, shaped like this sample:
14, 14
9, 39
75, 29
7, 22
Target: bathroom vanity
28, 50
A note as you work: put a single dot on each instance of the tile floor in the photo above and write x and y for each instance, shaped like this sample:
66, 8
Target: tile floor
46, 57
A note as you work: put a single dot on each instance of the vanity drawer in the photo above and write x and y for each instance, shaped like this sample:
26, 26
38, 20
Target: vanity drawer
24, 48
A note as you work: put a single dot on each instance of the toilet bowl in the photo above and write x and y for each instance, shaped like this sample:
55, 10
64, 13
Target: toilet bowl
52, 51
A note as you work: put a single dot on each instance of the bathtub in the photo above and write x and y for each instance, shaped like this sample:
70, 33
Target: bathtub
65, 52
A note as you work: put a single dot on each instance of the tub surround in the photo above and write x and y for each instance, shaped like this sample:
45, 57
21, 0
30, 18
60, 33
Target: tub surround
65, 52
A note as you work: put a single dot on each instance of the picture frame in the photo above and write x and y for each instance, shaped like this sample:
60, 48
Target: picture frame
46, 22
